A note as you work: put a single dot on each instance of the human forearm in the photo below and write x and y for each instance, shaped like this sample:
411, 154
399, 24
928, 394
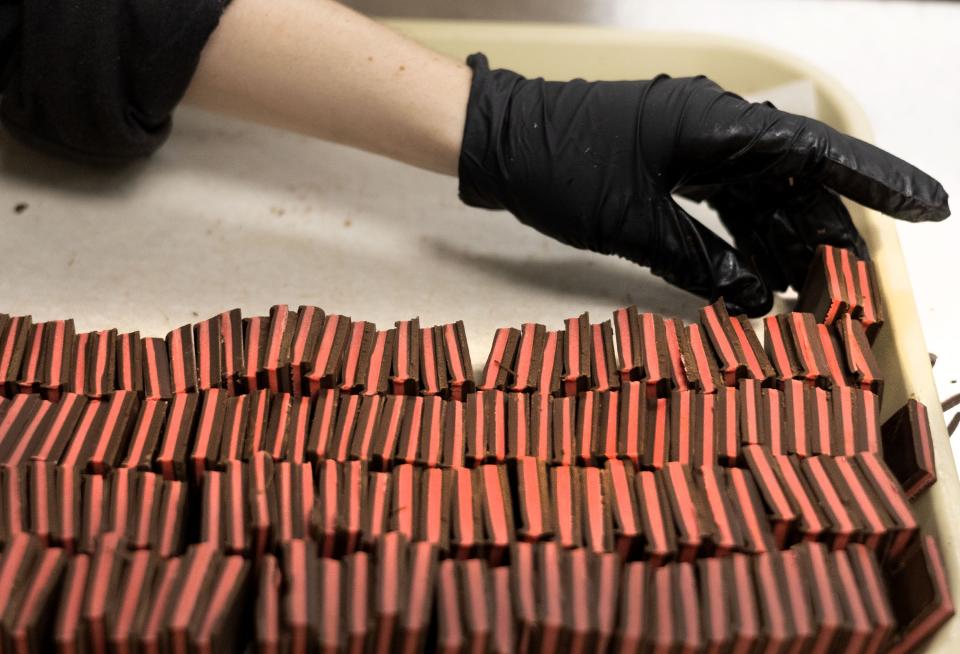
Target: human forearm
316, 67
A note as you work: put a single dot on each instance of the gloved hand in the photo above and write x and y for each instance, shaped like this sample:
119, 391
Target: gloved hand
594, 164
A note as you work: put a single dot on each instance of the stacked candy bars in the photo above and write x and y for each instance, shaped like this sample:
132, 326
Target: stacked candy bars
305, 482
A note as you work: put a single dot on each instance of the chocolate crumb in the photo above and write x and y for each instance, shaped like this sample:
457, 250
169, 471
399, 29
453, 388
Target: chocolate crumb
20, 207
951, 402
933, 359
954, 423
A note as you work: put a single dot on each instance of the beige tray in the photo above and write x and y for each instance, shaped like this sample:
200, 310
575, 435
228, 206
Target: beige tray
561, 52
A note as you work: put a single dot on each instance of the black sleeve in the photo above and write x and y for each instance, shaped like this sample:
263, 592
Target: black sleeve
97, 80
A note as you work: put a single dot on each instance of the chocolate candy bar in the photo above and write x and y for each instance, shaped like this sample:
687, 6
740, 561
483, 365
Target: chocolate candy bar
206, 443
588, 423
564, 426
129, 374
13, 519
607, 440
858, 355
132, 598
323, 371
872, 313
298, 430
466, 528
37, 510
17, 561
231, 353
256, 330
220, 620
403, 500
375, 511
657, 368
276, 436
457, 355
322, 424
357, 593
432, 363
618, 487
699, 361
868, 576
689, 509
576, 355
849, 432
603, 369
13, 342
376, 378
797, 436
77, 451
235, 509
634, 599
263, 508
632, 422
529, 358
143, 504
775, 602
66, 626
736, 344
362, 440
829, 623
406, 358
267, 610
748, 511
793, 345
183, 360
727, 425
861, 501
119, 416
211, 507
523, 587
503, 635
822, 428
606, 570
94, 517
580, 617
551, 370
811, 522
390, 590
432, 514
209, 351
409, 438
498, 370
726, 533
859, 628
29, 378
122, 486
550, 597
486, 437
541, 426
325, 607
303, 346
780, 505
675, 334
95, 363
21, 429
258, 419
566, 496
656, 446
656, 517
56, 369
303, 580
531, 499
156, 369
417, 599
842, 526
837, 372
387, 432
597, 518
705, 415
518, 426
356, 358
629, 350
798, 601
903, 526
673, 613
496, 511
171, 458
450, 630
716, 578
276, 353
168, 530
339, 447
431, 431
165, 588
233, 434
198, 573
685, 432
838, 284
104, 578
908, 448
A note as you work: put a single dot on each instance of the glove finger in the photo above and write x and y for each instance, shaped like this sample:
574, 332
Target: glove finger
780, 229
686, 254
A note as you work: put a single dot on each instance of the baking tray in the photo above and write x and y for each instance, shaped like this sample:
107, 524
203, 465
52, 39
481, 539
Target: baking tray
562, 52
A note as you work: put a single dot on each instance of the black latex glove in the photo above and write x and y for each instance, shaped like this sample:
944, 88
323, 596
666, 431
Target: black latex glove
593, 164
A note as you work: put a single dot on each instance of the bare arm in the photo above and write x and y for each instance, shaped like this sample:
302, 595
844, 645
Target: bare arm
321, 69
